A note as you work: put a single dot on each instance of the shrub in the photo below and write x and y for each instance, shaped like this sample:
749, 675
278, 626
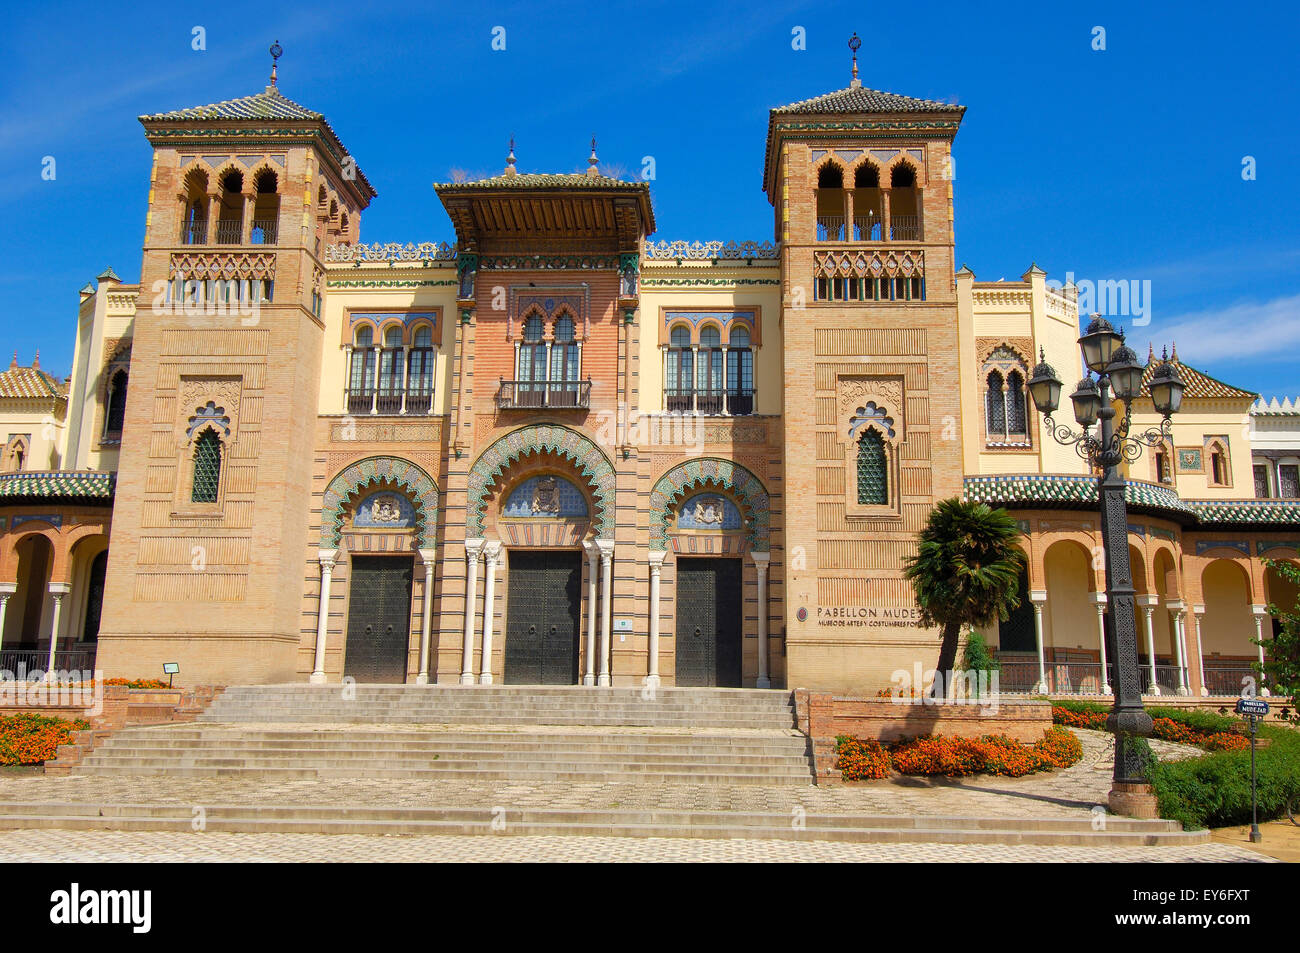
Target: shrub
34, 739
860, 760
1214, 790
1007, 757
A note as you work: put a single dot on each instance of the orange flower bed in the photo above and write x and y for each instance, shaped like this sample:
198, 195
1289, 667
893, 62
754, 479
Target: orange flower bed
1166, 729
860, 760
957, 757
34, 739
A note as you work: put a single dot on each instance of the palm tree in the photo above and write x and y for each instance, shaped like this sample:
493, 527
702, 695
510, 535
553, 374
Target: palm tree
966, 570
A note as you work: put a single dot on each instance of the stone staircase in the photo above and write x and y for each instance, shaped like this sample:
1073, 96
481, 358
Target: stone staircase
361, 819
474, 733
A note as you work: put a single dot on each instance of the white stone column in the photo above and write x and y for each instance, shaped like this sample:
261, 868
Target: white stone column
473, 550
1039, 598
7, 589
761, 561
326, 558
1185, 679
656, 566
58, 590
426, 616
1099, 600
406, 374
1148, 605
606, 547
1197, 613
593, 567
1175, 607
1261, 613
492, 556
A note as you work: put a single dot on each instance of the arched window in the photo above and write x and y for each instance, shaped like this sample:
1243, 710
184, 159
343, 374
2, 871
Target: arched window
194, 227
708, 373
1219, 473
530, 390
95, 597
564, 364
830, 203
266, 209
873, 473
678, 387
995, 403
230, 217
740, 373
867, 221
419, 379
361, 376
115, 411
904, 223
207, 468
389, 399
1016, 419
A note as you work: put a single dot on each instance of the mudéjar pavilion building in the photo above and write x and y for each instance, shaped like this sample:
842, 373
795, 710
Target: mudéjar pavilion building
554, 449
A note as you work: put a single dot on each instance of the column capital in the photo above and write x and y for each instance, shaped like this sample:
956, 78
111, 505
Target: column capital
606, 547
427, 556
1259, 611
1175, 605
1147, 602
8, 588
1198, 610
58, 589
492, 552
657, 557
327, 558
474, 548
1099, 599
1038, 595
761, 560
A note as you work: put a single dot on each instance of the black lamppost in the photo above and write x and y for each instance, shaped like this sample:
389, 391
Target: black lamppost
1118, 373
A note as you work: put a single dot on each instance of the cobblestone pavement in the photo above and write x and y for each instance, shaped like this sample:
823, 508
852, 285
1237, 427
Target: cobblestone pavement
1072, 791
118, 846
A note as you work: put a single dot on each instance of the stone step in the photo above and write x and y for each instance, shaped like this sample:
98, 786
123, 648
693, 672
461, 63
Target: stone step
359, 757
691, 775
482, 748
1063, 831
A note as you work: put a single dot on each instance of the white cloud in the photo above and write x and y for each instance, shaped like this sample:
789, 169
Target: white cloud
1260, 331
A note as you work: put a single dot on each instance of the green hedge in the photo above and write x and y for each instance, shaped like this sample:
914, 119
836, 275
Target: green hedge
1214, 790
1195, 718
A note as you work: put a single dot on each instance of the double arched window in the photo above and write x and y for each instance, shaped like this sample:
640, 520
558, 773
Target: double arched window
707, 376
547, 370
1005, 417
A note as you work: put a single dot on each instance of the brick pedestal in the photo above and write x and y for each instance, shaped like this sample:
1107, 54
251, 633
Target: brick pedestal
1133, 800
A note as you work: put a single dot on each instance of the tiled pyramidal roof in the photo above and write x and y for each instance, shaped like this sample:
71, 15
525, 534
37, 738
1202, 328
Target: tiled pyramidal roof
270, 104
28, 382
1197, 384
1060, 491
52, 485
860, 99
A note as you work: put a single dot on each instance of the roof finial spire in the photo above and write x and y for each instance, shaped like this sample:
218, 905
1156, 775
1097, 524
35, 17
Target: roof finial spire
14, 363
593, 163
855, 44
1174, 355
276, 51
510, 159
36, 360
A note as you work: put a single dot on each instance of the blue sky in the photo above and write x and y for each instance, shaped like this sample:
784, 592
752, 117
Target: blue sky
1124, 163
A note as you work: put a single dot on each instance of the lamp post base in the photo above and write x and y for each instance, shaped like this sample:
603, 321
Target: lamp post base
1133, 799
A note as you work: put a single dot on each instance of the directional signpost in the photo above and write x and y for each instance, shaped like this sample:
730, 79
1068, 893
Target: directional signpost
1254, 709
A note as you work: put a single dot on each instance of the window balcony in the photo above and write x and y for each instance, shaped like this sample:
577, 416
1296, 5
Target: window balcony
264, 231
735, 402
867, 228
230, 231
535, 395
194, 233
388, 403
830, 228
905, 228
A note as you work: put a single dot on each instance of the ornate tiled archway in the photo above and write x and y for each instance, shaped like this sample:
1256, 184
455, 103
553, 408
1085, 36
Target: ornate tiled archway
373, 470
702, 472
590, 461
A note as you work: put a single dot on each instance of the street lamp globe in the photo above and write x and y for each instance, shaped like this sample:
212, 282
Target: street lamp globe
1087, 402
1045, 387
1099, 342
1166, 388
1125, 373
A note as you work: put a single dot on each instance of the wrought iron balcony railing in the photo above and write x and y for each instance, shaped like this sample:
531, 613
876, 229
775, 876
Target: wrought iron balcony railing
905, 228
194, 233
830, 228
867, 228
230, 231
264, 231
563, 395
734, 401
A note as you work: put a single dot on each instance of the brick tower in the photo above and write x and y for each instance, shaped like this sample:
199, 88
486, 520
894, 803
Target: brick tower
861, 186
213, 496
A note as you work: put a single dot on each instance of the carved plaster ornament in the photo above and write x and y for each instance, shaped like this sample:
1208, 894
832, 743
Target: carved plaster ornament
546, 495
709, 510
385, 509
